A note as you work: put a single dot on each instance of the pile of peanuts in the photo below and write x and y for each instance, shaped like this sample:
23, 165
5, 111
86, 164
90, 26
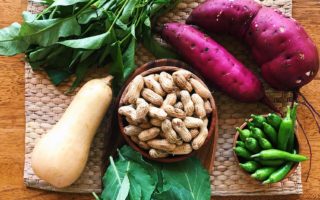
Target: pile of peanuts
167, 113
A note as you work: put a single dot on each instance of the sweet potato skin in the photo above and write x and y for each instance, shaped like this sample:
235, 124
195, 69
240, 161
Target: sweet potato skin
287, 56
214, 62
221, 16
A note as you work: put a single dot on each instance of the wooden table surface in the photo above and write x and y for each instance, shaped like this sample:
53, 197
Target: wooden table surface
12, 119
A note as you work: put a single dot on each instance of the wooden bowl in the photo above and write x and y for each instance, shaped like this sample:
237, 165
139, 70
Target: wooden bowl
297, 147
158, 66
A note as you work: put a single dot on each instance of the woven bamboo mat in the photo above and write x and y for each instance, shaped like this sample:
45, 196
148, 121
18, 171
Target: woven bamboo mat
45, 104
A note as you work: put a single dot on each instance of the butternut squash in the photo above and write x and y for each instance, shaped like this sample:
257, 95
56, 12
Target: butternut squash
61, 155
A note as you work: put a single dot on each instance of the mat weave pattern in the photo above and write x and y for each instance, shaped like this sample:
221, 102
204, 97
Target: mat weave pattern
45, 104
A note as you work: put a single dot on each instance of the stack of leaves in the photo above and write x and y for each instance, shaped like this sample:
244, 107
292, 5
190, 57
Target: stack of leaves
131, 177
70, 36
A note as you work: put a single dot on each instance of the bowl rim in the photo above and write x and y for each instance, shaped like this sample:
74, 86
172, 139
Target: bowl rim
158, 66
293, 168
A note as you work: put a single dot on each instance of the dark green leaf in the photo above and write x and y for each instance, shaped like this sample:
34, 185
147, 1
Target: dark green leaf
57, 76
190, 175
93, 42
156, 48
93, 14
128, 58
10, 43
174, 193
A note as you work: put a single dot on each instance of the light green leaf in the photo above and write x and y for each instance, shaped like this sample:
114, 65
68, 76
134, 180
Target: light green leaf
67, 2
124, 188
57, 76
147, 22
190, 175
93, 14
48, 32
10, 43
28, 17
93, 42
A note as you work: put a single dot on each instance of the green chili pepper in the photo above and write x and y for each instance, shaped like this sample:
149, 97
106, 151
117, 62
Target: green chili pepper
270, 163
286, 129
274, 120
270, 132
279, 174
257, 133
244, 133
263, 173
257, 120
293, 116
252, 145
249, 124
275, 154
240, 144
250, 166
264, 143
242, 152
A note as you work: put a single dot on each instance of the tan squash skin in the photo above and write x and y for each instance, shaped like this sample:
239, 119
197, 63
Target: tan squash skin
61, 155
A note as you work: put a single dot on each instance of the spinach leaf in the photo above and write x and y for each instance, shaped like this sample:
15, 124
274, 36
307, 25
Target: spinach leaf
93, 42
10, 43
75, 30
156, 48
47, 32
128, 58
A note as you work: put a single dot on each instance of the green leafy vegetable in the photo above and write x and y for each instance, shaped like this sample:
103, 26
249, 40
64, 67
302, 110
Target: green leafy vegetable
131, 177
188, 175
70, 36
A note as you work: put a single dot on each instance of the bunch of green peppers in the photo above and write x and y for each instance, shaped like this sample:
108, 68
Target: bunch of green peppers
266, 146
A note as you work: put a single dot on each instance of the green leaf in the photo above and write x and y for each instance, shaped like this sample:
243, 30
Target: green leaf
10, 43
142, 184
174, 193
124, 188
67, 2
93, 42
93, 14
190, 175
128, 11
156, 48
128, 58
57, 76
48, 32
117, 67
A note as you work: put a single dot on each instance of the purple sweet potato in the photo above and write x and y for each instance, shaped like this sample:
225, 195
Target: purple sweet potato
214, 62
222, 16
287, 56
285, 52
